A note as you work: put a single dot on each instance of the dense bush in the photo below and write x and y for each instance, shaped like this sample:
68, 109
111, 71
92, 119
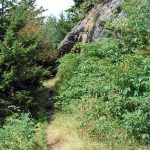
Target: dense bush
20, 74
52, 32
20, 133
109, 80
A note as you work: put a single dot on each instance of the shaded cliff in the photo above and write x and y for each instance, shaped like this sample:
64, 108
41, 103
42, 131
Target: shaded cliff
92, 27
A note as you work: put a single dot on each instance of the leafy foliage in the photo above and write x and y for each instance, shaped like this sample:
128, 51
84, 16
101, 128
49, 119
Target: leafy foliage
80, 8
22, 134
109, 80
52, 32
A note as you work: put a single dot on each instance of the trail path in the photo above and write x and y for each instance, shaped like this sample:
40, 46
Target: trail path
55, 144
50, 139
62, 133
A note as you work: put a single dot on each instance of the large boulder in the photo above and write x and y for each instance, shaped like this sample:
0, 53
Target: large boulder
92, 27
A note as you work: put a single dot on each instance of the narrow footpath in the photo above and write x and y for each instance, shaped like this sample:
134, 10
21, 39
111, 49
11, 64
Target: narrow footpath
55, 145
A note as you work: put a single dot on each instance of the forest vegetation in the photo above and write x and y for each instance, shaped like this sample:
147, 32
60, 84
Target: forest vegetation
102, 89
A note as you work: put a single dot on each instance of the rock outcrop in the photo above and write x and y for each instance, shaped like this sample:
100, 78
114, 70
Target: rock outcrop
92, 27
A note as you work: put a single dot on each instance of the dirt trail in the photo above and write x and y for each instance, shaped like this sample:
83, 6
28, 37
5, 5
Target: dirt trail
55, 144
50, 139
63, 131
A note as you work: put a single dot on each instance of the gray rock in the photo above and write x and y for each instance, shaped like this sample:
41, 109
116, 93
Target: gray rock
92, 27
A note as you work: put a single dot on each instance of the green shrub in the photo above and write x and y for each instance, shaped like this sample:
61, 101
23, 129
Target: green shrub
20, 133
20, 74
137, 123
109, 80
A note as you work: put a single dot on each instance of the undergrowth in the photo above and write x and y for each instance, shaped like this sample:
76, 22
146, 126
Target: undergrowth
21, 133
109, 80
65, 130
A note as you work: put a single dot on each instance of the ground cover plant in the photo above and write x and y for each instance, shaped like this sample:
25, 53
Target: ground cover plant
109, 82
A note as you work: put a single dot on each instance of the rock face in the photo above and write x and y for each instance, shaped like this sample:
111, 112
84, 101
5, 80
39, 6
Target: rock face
92, 27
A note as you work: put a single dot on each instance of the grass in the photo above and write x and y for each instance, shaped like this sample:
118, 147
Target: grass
50, 84
64, 131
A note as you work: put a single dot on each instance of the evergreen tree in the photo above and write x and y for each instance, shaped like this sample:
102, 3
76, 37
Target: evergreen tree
78, 2
20, 75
